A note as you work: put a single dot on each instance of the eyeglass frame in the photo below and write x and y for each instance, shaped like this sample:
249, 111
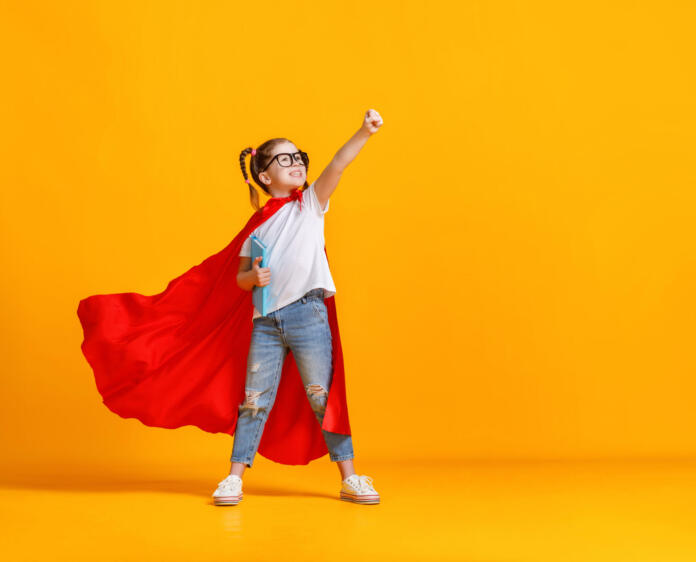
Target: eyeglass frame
292, 155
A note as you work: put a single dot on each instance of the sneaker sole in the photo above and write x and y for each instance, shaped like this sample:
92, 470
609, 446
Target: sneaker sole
345, 496
227, 500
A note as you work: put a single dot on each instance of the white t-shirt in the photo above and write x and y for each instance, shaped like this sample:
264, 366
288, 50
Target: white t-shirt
294, 242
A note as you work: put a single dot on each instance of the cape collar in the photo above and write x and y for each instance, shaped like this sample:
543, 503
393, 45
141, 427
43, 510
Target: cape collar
274, 202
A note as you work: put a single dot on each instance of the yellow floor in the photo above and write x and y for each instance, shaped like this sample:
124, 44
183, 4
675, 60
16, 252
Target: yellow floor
477, 511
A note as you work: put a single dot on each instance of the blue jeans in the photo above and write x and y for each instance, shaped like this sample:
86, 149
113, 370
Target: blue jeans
303, 328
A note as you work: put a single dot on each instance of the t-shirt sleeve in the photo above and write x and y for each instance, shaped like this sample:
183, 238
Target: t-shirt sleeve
246, 248
314, 202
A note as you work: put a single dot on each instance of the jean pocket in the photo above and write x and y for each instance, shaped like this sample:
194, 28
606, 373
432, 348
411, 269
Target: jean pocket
319, 308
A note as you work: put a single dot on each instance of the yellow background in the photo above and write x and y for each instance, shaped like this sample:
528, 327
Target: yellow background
513, 250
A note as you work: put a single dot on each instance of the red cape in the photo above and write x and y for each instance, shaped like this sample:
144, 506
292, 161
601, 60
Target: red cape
179, 357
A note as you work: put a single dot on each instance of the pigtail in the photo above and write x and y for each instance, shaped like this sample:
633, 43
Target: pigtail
259, 157
253, 194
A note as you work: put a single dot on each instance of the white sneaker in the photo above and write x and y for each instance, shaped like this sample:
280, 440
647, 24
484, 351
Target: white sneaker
359, 489
229, 491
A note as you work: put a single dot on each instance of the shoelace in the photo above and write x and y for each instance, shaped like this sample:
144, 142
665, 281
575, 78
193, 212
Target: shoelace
365, 484
227, 483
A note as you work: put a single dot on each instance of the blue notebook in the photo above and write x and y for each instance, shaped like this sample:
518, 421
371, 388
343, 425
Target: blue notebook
259, 294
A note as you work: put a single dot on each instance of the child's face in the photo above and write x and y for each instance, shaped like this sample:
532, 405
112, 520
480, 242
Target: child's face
280, 176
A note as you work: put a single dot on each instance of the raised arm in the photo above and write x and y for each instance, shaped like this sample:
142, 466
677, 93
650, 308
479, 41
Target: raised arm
327, 181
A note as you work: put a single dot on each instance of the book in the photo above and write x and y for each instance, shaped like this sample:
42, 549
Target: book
260, 295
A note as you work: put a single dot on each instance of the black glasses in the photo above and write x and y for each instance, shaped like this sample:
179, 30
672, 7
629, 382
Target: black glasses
286, 159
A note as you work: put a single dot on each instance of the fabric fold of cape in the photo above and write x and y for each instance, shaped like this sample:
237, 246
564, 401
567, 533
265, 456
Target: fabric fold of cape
179, 357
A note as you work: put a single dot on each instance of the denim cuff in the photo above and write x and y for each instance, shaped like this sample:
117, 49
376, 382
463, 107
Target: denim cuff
342, 457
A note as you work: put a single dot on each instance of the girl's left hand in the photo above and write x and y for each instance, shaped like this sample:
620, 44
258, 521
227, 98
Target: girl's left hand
373, 121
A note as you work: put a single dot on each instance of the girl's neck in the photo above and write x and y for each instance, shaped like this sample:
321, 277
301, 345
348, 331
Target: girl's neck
280, 196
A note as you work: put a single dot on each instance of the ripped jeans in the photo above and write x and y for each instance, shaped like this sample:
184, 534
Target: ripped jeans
302, 327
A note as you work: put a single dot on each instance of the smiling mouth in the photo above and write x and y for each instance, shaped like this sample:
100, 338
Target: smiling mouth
296, 174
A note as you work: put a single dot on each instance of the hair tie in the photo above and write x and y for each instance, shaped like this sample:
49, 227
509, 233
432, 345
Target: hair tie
246, 181
253, 151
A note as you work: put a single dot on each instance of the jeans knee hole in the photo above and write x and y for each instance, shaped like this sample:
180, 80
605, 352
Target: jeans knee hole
318, 395
251, 401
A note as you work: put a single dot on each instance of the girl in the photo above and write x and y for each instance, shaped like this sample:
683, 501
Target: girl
198, 353
298, 321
